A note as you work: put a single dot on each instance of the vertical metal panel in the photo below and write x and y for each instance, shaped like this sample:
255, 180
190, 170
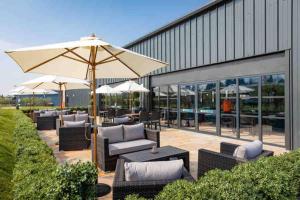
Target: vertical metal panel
213, 36
260, 30
168, 50
194, 42
221, 34
149, 47
206, 34
296, 74
239, 28
172, 50
159, 50
200, 42
249, 27
182, 46
155, 51
271, 25
152, 50
163, 50
229, 31
188, 44
177, 48
285, 24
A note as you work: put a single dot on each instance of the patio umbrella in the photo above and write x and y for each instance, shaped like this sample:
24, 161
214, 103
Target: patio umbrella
87, 58
57, 83
106, 89
130, 87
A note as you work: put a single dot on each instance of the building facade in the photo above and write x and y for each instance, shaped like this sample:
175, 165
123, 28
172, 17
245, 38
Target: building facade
233, 71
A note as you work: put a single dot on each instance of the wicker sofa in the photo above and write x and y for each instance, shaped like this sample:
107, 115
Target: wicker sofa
146, 189
46, 119
107, 161
59, 121
75, 138
208, 160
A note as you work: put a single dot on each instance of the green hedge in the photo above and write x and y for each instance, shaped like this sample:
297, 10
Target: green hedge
38, 176
268, 178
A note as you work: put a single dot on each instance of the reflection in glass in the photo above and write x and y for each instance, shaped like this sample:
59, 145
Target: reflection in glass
163, 104
155, 98
273, 131
272, 107
249, 128
228, 125
187, 106
248, 93
207, 107
228, 91
173, 93
273, 85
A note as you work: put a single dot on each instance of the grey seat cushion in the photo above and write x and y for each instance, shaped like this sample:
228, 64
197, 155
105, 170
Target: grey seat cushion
113, 133
51, 113
74, 124
120, 120
153, 171
130, 146
80, 112
46, 115
134, 132
80, 117
68, 118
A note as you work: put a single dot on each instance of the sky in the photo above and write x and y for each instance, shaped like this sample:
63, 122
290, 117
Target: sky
25, 23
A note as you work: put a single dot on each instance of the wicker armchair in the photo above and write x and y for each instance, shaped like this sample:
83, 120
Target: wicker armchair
75, 138
59, 123
46, 122
147, 189
208, 160
108, 162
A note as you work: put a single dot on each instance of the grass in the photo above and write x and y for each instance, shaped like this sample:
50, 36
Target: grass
7, 157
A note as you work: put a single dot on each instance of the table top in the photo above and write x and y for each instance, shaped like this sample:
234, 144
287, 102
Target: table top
146, 155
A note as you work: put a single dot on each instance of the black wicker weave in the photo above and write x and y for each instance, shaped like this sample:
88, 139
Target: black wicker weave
74, 138
107, 162
147, 189
208, 160
46, 123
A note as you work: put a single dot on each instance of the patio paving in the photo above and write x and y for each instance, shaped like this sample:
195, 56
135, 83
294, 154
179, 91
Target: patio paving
188, 140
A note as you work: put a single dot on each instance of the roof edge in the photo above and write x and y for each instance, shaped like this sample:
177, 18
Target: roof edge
177, 21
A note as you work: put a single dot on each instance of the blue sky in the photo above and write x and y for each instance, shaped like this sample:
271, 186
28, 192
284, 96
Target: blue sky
32, 22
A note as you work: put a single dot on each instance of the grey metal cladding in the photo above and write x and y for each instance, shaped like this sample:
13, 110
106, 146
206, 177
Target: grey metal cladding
200, 43
168, 51
172, 50
239, 28
249, 27
260, 27
229, 31
271, 25
221, 34
188, 44
182, 46
194, 42
177, 48
213, 36
206, 34
285, 23
163, 50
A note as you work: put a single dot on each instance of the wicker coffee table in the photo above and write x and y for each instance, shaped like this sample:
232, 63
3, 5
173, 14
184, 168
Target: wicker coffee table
164, 153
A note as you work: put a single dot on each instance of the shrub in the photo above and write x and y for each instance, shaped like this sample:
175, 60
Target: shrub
36, 173
268, 178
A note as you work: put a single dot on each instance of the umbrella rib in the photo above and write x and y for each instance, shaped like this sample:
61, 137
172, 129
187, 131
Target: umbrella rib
120, 61
79, 56
74, 59
36, 66
104, 60
38, 85
87, 69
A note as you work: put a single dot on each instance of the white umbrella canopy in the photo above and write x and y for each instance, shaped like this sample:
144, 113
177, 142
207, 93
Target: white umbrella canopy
106, 89
232, 89
88, 58
22, 90
130, 86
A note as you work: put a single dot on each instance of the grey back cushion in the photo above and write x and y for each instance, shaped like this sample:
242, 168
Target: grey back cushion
46, 115
68, 118
240, 152
80, 117
134, 132
153, 171
74, 124
81, 112
120, 120
113, 133
253, 149
51, 113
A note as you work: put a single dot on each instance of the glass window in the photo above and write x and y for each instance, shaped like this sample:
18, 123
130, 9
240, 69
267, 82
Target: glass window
155, 98
187, 106
207, 107
273, 109
248, 93
173, 93
163, 104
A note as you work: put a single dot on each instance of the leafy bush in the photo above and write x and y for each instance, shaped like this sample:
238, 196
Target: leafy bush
268, 178
38, 176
